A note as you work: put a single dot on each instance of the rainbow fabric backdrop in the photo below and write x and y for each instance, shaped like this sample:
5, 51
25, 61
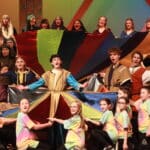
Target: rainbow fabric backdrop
82, 53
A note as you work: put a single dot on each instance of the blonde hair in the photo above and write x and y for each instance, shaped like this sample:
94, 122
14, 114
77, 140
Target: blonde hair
79, 112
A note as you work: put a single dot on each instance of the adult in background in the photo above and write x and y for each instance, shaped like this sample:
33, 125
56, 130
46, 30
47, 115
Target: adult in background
129, 30
7, 28
31, 24
78, 26
44, 24
58, 24
102, 26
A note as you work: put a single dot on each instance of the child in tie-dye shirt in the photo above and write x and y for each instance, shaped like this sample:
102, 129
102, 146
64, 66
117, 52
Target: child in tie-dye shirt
25, 138
104, 139
75, 139
123, 124
143, 107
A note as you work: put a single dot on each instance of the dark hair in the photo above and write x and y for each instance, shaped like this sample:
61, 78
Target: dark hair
146, 88
139, 53
125, 98
82, 28
126, 90
54, 56
3, 47
45, 21
4, 66
114, 50
107, 100
146, 61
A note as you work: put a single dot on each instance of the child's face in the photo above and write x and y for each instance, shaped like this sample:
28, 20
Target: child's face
24, 105
104, 106
121, 104
56, 62
4, 69
74, 109
20, 64
144, 94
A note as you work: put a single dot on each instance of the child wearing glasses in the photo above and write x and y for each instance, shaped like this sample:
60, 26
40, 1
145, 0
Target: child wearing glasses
75, 139
123, 124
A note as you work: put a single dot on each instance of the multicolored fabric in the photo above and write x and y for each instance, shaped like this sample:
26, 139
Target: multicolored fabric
24, 136
109, 125
143, 115
75, 135
56, 83
123, 122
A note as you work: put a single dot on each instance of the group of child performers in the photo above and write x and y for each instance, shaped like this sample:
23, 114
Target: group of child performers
116, 128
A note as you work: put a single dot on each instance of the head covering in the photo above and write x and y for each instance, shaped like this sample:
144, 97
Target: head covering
30, 17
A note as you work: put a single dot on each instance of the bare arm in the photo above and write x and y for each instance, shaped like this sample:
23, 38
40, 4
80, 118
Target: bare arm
97, 123
6, 121
61, 121
42, 126
125, 145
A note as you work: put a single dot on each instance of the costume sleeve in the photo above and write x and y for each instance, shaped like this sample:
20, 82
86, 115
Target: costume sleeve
28, 122
148, 107
36, 84
104, 117
72, 123
73, 82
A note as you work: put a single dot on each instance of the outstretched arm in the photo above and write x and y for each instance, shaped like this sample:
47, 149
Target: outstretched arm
6, 121
74, 83
42, 126
97, 123
61, 121
33, 85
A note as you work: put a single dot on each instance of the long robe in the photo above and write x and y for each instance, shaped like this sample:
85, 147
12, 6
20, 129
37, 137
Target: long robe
57, 98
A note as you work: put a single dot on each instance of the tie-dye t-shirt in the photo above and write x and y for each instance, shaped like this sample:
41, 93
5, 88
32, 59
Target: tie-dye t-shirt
122, 123
75, 135
108, 121
24, 136
143, 108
